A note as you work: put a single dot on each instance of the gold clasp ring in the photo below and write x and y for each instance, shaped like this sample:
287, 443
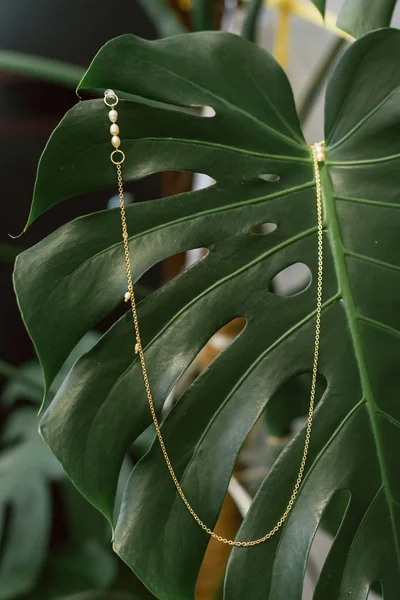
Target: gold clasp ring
110, 98
116, 161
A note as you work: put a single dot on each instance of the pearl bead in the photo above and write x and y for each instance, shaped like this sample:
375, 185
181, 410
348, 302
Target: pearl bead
109, 92
113, 115
116, 142
127, 296
114, 129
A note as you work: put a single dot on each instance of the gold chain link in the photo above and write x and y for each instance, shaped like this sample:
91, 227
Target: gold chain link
318, 156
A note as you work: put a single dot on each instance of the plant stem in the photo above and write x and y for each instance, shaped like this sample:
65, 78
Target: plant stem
43, 69
203, 15
249, 28
163, 17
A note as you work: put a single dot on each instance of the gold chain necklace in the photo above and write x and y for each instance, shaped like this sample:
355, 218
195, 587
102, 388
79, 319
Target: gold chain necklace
117, 157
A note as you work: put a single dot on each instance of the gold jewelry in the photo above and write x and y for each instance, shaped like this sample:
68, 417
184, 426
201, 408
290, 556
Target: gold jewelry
117, 157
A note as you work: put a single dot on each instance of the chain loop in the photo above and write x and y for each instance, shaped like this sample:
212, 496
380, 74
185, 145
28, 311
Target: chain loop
114, 160
318, 156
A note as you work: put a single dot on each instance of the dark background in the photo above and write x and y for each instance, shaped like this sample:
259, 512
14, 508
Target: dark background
70, 31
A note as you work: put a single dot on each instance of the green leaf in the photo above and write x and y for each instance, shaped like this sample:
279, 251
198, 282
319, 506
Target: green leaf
26, 466
140, 123
163, 17
249, 28
26, 382
358, 17
26, 470
76, 276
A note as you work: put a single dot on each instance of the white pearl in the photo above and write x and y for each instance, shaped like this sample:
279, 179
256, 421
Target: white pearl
114, 129
116, 142
109, 92
113, 115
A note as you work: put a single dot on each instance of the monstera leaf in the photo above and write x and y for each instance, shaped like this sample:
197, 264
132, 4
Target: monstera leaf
254, 149
358, 17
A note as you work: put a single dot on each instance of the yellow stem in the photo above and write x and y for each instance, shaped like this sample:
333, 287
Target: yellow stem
282, 38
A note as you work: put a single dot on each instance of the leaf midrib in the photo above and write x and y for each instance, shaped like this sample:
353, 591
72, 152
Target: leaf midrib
338, 254
239, 150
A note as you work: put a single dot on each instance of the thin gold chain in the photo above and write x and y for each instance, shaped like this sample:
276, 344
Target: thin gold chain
318, 156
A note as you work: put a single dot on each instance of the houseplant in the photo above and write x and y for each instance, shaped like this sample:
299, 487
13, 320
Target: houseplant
254, 149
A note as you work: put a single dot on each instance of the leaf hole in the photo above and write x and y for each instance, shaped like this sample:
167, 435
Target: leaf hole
329, 525
376, 591
180, 182
113, 202
263, 228
287, 410
204, 110
282, 418
218, 342
292, 280
173, 265
188, 259
158, 271
201, 181
270, 177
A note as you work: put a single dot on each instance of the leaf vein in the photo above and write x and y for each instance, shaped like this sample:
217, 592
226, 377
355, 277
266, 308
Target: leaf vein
190, 217
370, 259
193, 301
226, 102
364, 119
